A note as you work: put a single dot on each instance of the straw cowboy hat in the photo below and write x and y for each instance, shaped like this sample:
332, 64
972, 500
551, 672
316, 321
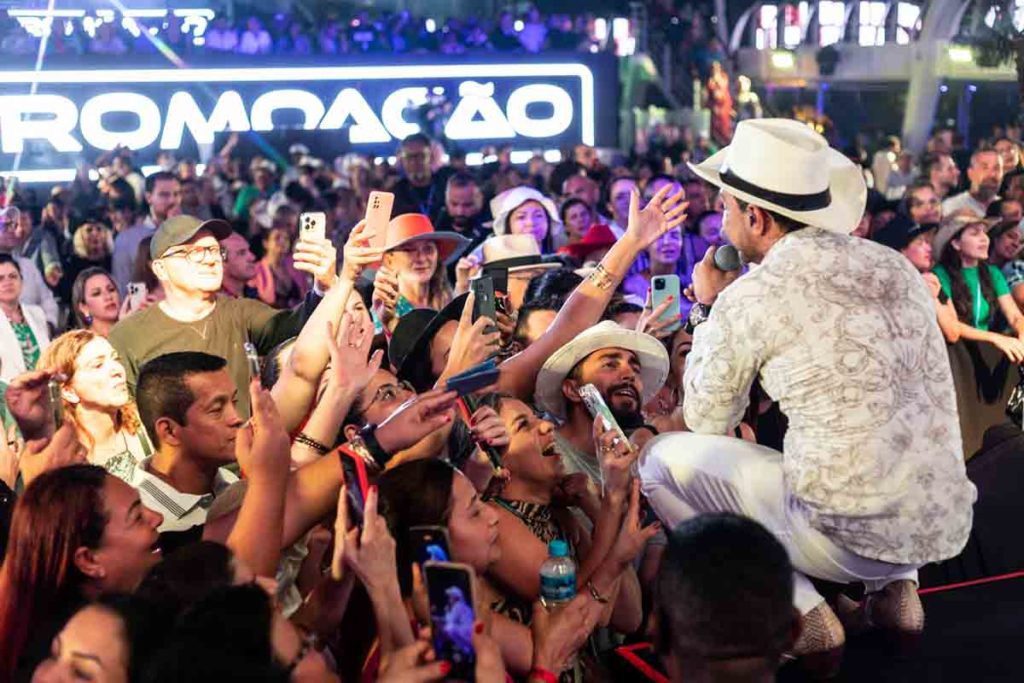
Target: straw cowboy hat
783, 166
508, 201
654, 364
514, 253
415, 227
951, 226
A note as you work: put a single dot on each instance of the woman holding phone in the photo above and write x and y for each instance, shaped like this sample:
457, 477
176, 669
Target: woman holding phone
414, 274
97, 403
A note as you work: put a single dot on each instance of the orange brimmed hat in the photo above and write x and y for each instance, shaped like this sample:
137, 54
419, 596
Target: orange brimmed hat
415, 227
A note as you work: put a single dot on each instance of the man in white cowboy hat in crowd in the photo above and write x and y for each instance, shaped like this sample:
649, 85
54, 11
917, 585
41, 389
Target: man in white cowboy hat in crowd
841, 332
626, 367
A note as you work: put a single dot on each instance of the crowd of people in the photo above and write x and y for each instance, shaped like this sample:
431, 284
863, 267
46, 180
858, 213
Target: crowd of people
160, 490
327, 33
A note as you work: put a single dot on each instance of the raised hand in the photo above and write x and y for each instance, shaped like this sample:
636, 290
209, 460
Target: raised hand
369, 551
465, 269
650, 321
319, 258
385, 294
357, 254
660, 215
472, 344
349, 347
29, 403
416, 419
414, 663
616, 456
263, 446
632, 536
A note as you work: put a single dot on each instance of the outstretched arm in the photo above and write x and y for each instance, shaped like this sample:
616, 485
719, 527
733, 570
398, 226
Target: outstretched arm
587, 303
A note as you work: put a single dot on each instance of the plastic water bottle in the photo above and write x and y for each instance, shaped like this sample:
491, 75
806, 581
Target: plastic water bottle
557, 575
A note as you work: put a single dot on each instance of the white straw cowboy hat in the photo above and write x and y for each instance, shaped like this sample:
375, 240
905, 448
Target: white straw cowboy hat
508, 201
784, 166
514, 253
654, 363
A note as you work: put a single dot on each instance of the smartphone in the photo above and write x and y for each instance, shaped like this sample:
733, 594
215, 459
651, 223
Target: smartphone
452, 614
136, 295
313, 226
254, 360
378, 215
483, 300
473, 380
56, 403
599, 409
662, 287
356, 485
429, 544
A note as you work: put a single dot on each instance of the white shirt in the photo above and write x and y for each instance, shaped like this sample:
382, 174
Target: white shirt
223, 40
35, 292
842, 333
181, 511
964, 200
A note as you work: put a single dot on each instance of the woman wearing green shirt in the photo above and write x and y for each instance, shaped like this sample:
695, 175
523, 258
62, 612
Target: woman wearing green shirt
23, 330
978, 290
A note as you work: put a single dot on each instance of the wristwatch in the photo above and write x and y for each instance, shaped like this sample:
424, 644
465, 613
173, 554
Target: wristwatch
368, 437
698, 314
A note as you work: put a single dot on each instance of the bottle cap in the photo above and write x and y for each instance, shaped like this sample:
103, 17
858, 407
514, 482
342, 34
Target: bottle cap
558, 548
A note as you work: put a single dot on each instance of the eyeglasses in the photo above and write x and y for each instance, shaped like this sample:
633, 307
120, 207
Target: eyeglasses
389, 392
197, 255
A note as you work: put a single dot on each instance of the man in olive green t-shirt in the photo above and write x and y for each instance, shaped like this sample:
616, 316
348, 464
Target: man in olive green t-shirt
188, 261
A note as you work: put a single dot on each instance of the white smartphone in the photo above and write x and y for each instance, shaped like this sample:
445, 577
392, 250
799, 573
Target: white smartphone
598, 409
663, 286
378, 215
313, 226
137, 292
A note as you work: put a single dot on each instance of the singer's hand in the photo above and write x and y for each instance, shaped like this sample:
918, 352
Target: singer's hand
708, 280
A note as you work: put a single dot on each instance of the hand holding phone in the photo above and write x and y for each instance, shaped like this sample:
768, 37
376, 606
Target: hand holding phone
253, 358
313, 226
56, 403
484, 304
452, 615
665, 289
378, 215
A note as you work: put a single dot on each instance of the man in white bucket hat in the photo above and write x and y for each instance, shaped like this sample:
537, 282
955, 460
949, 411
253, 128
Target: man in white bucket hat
841, 333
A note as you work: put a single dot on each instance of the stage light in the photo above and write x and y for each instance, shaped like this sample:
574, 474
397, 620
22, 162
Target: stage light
782, 59
960, 54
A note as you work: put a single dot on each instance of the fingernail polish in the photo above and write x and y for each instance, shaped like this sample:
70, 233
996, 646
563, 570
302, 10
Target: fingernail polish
479, 627
373, 489
445, 668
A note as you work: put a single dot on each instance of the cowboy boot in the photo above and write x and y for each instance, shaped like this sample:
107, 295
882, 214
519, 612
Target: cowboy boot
819, 649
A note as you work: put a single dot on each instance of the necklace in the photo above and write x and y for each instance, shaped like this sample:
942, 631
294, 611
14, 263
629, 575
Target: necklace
202, 334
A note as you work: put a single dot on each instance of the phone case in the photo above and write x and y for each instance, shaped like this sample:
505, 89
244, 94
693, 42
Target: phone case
598, 408
313, 225
378, 215
670, 288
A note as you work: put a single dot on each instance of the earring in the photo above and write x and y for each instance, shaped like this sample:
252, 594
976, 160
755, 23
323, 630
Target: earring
87, 319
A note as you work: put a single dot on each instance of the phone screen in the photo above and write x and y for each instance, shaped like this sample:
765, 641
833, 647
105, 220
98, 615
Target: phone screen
450, 589
430, 544
355, 486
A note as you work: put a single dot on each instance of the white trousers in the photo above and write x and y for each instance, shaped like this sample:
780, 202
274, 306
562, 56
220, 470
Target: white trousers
685, 475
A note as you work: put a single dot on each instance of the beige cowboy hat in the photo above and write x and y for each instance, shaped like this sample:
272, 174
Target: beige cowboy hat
785, 167
513, 253
654, 363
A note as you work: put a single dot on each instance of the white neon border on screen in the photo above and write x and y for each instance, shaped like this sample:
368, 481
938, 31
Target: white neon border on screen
323, 73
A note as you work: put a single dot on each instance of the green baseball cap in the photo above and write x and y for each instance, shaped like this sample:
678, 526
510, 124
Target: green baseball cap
181, 229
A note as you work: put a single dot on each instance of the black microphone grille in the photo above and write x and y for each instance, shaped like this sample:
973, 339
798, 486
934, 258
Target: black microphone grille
727, 258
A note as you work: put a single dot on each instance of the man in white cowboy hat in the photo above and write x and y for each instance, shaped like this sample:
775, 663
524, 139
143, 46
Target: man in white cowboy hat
626, 367
841, 332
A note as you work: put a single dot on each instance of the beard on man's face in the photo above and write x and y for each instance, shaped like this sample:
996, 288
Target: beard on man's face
623, 400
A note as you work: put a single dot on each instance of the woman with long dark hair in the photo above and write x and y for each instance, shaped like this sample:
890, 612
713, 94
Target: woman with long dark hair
76, 533
980, 295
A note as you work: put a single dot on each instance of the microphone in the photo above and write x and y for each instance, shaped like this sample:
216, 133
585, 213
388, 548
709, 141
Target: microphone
727, 258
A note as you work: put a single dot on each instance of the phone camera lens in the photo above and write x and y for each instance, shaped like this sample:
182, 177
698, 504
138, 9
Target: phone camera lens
659, 285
